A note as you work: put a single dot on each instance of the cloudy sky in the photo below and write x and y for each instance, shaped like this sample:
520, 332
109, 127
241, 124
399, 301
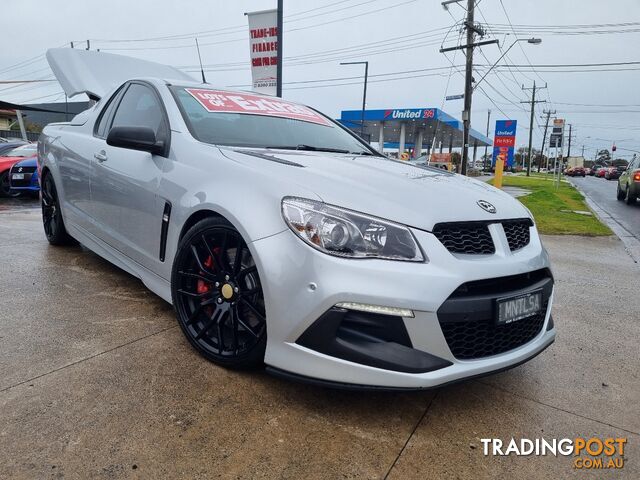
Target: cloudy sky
400, 39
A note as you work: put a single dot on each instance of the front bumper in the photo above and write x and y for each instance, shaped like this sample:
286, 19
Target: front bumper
301, 285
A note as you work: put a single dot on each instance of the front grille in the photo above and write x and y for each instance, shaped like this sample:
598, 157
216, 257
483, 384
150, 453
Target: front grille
518, 233
477, 339
472, 238
467, 317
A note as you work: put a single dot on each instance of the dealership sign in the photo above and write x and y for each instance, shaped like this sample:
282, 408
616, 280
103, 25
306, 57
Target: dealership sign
410, 113
504, 141
263, 45
221, 101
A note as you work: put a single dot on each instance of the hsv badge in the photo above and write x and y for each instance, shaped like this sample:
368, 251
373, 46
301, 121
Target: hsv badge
483, 204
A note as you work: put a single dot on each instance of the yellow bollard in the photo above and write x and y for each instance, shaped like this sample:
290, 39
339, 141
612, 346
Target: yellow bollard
497, 181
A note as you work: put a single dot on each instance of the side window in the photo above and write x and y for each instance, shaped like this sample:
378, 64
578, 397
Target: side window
140, 107
101, 128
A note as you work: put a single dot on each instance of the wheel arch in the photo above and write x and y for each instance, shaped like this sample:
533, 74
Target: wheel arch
195, 217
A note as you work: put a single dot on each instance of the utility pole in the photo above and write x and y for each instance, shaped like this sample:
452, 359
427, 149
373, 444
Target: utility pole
484, 163
582, 151
279, 52
468, 87
569, 147
472, 29
548, 113
533, 107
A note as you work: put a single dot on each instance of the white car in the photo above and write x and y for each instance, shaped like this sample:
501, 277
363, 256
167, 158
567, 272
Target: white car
282, 239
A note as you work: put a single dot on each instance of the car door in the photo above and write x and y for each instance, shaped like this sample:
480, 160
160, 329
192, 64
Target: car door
125, 181
624, 177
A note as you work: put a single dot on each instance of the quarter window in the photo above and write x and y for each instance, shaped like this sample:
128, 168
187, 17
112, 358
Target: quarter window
140, 107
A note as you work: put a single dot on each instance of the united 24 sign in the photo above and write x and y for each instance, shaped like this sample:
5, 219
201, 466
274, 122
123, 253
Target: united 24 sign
504, 141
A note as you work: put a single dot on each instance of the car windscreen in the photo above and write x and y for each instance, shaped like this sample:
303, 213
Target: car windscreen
22, 151
249, 120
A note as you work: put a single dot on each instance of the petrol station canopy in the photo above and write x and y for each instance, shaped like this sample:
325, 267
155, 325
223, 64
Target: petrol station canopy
412, 129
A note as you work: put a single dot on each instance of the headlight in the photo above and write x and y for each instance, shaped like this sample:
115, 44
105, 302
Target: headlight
344, 233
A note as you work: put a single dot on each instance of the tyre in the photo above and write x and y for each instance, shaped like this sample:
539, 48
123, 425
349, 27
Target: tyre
52, 220
629, 198
5, 186
620, 194
217, 295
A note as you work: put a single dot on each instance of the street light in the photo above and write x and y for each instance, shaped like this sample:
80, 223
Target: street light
532, 41
364, 94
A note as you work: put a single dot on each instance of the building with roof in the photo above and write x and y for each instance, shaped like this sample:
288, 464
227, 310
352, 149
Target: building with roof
417, 130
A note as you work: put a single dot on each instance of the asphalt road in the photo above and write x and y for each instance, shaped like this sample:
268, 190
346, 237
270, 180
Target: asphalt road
603, 193
97, 381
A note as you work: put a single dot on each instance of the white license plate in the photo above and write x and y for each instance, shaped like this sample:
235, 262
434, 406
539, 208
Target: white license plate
512, 309
17, 176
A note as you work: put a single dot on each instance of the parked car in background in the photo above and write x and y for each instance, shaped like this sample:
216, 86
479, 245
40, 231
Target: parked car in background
7, 161
601, 172
629, 183
613, 173
23, 177
7, 146
575, 172
587, 171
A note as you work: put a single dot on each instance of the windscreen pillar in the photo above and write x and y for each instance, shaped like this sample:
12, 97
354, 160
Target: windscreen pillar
417, 150
403, 132
381, 137
23, 131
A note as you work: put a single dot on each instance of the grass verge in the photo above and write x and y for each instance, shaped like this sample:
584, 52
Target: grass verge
553, 207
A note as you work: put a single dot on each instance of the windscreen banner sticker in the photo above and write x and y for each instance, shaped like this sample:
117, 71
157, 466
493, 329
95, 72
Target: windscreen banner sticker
231, 102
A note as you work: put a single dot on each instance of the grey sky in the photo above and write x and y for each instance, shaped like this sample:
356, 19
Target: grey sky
361, 23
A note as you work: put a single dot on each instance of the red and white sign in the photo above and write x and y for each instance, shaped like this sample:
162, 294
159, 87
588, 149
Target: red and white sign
504, 142
232, 102
263, 45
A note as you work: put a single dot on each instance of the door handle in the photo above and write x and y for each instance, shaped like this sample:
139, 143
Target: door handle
101, 156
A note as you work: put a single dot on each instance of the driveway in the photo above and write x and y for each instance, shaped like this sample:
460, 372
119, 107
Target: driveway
97, 381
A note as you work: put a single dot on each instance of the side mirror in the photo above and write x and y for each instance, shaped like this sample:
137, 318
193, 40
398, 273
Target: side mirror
135, 138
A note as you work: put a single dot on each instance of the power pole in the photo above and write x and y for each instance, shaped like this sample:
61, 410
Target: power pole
468, 87
569, 147
582, 151
548, 113
533, 107
279, 52
472, 29
484, 163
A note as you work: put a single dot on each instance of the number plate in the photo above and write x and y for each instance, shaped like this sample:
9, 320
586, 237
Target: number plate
17, 176
512, 309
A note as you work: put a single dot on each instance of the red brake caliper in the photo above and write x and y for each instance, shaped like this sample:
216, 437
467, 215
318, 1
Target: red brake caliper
204, 287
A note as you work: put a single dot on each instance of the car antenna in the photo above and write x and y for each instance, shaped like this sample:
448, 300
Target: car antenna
204, 80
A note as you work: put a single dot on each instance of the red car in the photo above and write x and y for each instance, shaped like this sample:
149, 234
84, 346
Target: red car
576, 172
8, 160
600, 173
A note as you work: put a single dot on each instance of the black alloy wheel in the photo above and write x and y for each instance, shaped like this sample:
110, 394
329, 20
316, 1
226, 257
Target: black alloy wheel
5, 186
218, 296
52, 220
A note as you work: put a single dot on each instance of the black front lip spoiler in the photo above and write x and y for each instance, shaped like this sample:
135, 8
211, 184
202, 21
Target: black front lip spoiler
277, 372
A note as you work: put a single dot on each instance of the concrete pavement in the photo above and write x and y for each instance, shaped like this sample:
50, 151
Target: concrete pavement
96, 381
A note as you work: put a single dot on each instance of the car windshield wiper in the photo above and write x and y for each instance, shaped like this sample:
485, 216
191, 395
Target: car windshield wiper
310, 148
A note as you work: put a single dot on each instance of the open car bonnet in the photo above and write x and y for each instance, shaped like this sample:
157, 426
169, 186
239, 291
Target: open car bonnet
96, 73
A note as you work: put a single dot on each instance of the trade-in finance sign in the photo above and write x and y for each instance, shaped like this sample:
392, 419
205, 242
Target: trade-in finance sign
263, 45
504, 141
221, 101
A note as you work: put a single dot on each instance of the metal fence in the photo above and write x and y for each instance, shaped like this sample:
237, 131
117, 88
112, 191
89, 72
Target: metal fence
31, 136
